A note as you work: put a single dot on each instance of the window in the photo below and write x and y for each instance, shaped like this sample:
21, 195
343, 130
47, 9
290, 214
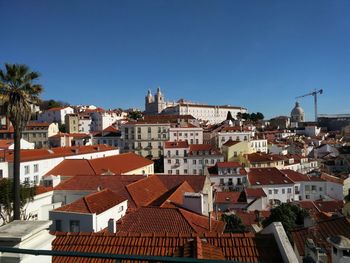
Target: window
58, 225
194, 161
36, 168
289, 190
275, 191
185, 171
185, 160
26, 180
222, 181
74, 226
120, 209
206, 161
313, 188
169, 161
177, 161
212, 161
176, 152
270, 192
1, 174
307, 187
194, 171
139, 137
283, 191
26, 169
149, 130
170, 171
177, 172
307, 196
321, 189
200, 161
36, 179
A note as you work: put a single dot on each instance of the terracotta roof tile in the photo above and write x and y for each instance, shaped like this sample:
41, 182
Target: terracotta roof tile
117, 164
227, 197
94, 203
169, 220
177, 144
231, 143
267, 176
228, 164
255, 192
236, 247
38, 154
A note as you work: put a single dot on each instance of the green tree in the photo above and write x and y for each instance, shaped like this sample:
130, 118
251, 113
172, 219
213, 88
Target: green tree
288, 214
6, 199
246, 116
18, 92
233, 223
260, 116
135, 115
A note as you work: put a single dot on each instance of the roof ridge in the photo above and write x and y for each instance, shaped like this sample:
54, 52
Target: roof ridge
180, 210
87, 204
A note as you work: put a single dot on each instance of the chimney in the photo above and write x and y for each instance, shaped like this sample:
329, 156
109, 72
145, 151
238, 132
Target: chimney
112, 226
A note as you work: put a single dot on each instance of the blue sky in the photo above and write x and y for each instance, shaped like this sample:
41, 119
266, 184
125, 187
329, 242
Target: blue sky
255, 54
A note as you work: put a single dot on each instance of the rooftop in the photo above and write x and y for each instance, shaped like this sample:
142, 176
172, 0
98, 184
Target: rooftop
267, 176
240, 247
94, 203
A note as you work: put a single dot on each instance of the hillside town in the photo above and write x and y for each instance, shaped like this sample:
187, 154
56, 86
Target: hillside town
178, 179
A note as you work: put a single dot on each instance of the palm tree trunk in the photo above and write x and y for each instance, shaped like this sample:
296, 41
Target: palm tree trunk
16, 175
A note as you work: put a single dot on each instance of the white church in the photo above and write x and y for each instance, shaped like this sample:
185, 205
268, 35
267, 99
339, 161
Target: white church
156, 104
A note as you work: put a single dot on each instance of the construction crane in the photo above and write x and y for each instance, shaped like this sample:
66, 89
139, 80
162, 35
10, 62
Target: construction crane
314, 93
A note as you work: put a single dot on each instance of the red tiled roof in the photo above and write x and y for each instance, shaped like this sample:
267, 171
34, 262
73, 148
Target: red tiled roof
110, 129
227, 197
5, 144
263, 157
170, 220
267, 176
236, 247
74, 135
39, 189
228, 164
299, 177
117, 164
91, 183
39, 154
33, 124
173, 197
231, 143
177, 144
203, 148
57, 108
320, 232
331, 178
249, 217
94, 203
329, 205
255, 192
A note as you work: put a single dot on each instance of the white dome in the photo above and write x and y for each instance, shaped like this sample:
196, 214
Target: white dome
297, 110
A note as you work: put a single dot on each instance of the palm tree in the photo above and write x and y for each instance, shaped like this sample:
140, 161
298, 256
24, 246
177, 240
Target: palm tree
18, 93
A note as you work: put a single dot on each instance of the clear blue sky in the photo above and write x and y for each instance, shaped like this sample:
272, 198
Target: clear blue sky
255, 54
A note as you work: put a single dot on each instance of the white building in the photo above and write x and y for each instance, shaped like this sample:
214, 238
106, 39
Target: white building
189, 132
228, 176
36, 163
212, 113
183, 158
9, 144
233, 133
101, 119
91, 213
277, 186
55, 115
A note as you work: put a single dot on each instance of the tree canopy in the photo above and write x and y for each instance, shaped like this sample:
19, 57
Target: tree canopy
135, 115
233, 223
6, 199
288, 214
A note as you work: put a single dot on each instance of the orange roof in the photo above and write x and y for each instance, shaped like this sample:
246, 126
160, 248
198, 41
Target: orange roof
298, 177
94, 203
267, 176
231, 143
263, 157
74, 135
227, 197
110, 129
255, 192
203, 148
332, 179
174, 197
228, 164
57, 108
5, 144
170, 220
117, 164
249, 217
39, 154
33, 124
177, 144
245, 247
